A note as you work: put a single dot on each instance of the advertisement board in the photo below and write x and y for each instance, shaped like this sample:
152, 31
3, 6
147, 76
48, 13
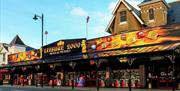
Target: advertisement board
24, 56
65, 47
136, 38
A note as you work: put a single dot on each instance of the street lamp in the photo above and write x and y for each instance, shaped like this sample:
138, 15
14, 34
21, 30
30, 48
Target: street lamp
52, 66
87, 21
46, 33
93, 47
72, 64
42, 21
23, 69
12, 75
130, 61
37, 68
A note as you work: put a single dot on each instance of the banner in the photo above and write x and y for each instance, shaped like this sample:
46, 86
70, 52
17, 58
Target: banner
137, 38
24, 56
65, 47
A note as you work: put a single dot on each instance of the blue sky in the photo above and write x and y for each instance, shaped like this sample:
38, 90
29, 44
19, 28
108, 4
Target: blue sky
63, 19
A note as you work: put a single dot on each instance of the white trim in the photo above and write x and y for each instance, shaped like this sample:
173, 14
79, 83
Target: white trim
109, 24
151, 21
117, 5
115, 9
122, 23
137, 17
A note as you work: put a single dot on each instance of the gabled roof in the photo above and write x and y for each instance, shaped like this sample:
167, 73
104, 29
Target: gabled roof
4, 47
17, 41
145, 2
130, 8
109, 24
133, 10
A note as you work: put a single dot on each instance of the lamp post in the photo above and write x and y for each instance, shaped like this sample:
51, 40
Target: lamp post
130, 61
93, 47
52, 72
23, 69
46, 33
42, 22
72, 64
37, 68
87, 21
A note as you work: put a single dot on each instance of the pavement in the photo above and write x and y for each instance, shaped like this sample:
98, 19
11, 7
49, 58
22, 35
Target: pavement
49, 88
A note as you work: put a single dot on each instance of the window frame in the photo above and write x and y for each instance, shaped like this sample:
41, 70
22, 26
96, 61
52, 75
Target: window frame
151, 14
123, 16
4, 57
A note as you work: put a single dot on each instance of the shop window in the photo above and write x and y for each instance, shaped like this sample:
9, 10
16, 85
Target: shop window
151, 14
123, 16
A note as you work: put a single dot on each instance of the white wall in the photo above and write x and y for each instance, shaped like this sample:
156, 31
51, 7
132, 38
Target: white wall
11, 50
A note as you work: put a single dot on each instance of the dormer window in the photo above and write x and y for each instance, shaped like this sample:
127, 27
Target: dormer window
123, 16
151, 14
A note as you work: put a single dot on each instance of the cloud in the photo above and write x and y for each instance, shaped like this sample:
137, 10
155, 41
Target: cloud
99, 29
104, 17
134, 3
100, 14
78, 11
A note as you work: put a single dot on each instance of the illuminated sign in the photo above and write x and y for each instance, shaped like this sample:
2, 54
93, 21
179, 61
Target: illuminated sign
24, 56
65, 46
137, 38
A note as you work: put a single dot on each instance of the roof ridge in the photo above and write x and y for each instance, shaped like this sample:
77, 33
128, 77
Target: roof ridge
145, 2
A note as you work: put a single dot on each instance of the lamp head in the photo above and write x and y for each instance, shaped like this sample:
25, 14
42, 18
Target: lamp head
35, 17
93, 47
46, 32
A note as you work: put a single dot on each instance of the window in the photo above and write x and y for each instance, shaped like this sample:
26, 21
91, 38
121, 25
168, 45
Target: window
4, 57
151, 14
123, 17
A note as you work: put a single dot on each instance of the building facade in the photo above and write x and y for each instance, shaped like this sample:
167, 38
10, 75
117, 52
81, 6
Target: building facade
151, 13
15, 46
143, 51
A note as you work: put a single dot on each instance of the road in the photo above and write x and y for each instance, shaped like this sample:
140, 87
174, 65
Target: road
32, 88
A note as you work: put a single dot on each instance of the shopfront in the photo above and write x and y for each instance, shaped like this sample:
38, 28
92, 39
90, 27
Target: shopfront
147, 58
137, 49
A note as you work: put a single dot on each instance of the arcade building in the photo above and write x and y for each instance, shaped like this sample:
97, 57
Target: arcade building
143, 51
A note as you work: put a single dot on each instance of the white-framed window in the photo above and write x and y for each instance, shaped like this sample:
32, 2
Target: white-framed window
123, 16
151, 14
4, 57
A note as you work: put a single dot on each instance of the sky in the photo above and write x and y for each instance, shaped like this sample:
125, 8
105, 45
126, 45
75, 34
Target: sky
63, 19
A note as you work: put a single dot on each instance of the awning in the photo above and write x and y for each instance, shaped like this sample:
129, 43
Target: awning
117, 52
136, 50
141, 50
